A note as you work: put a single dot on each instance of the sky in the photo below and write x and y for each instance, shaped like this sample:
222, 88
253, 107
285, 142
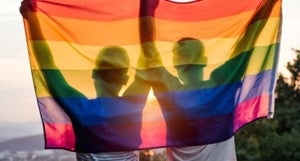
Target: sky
17, 98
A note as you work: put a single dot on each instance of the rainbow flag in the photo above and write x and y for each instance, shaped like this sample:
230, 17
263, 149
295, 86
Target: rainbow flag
114, 75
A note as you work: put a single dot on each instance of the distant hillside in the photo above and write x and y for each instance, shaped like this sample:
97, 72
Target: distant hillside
28, 143
10, 130
31, 148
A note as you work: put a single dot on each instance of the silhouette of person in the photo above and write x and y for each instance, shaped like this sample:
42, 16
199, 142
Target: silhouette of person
109, 76
108, 122
189, 61
179, 109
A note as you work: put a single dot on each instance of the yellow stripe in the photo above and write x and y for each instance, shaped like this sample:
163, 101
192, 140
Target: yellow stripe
40, 86
261, 59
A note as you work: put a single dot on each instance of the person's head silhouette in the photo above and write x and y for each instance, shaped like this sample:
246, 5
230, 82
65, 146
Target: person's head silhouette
189, 60
110, 73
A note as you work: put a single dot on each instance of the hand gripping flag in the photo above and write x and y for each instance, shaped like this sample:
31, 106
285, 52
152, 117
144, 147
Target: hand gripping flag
114, 75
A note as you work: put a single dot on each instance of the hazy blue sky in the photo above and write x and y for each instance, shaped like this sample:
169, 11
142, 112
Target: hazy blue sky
17, 97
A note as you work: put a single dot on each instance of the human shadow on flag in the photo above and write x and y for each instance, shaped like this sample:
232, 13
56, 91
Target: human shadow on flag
196, 111
108, 122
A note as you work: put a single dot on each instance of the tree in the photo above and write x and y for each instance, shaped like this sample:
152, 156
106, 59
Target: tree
276, 139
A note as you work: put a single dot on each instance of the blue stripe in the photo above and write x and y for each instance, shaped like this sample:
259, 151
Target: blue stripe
221, 100
189, 103
127, 137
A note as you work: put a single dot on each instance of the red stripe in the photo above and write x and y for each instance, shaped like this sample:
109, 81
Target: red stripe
59, 136
251, 110
155, 137
107, 10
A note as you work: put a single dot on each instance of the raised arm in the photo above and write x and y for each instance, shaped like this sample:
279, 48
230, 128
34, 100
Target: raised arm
39, 47
150, 60
150, 55
57, 85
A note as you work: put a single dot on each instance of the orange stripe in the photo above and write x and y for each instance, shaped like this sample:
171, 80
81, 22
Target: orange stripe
125, 32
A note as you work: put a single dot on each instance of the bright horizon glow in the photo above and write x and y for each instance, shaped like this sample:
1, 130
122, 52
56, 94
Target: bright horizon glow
17, 98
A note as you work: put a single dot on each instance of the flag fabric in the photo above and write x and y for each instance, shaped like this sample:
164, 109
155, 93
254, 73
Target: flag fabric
115, 75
